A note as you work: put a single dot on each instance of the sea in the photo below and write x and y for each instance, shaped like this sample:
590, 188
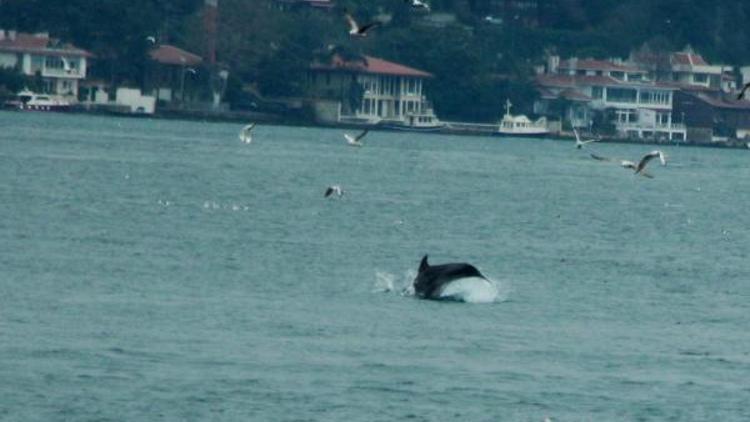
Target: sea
164, 270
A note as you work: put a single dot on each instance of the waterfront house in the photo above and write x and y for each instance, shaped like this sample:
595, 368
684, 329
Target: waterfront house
365, 90
712, 118
58, 67
584, 92
172, 73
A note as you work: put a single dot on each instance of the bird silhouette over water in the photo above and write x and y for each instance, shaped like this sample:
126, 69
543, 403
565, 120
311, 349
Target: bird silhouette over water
741, 95
355, 141
359, 31
333, 190
640, 167
245, 135
579, 143
418, 5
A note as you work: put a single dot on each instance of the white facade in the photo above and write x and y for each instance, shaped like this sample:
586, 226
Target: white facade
370, 91
640, 109
390, 97
61, 68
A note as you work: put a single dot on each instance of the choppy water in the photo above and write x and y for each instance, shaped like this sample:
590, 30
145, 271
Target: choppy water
163, 270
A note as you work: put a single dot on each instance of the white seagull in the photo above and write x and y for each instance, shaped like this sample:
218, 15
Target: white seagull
359, 31
648, 157
579, 143
245, 135
418, 4
355, 141
640, 167
334, 190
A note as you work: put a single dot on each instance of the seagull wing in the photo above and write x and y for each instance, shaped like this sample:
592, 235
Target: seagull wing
578, 138
599, 157
588, 141
628, 164
328, 193
647, 158
352, 23
742, 93
368, 27
362, 135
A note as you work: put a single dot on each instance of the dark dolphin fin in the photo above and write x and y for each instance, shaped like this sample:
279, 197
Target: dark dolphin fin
423, 265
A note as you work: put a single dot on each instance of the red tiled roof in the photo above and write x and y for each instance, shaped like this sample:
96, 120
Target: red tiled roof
575, 80
169, 54
39, 43
563, 81
592, 64
574, 95
690, 59
371, 65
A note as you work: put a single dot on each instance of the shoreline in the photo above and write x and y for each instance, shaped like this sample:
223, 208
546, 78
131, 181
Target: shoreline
281, 120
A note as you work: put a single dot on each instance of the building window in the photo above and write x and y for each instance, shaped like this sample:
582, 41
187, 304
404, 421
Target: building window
622, 95
53, 62
37, 63
411, 86
655, 97
700, 78
662, 119
617, 75
626, 116
597, 92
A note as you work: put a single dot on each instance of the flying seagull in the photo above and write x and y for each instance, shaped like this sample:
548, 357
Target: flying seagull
640, 167
245, 135
359, 31
418, 4
151, 39
355, 141
579, 143
648, 157
741, 95
333, 190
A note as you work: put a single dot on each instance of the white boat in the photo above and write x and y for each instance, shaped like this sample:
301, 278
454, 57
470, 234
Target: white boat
521, 125
30, 101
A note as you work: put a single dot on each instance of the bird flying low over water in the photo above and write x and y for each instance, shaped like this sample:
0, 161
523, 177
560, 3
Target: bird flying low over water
333, 190
245, 135
418, 4
359, 31
640, 167
742, 93
579, 143
648, 157
356, 141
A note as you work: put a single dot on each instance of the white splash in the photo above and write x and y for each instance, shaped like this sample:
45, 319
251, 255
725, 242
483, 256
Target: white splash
471, 290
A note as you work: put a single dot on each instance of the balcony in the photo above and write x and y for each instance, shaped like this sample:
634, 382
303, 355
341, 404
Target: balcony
62, 73
674, 127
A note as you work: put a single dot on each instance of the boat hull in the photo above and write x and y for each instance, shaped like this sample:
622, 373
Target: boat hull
407, 128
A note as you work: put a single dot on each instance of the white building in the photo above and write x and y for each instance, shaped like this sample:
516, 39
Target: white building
60, 66
367, 90
627, 98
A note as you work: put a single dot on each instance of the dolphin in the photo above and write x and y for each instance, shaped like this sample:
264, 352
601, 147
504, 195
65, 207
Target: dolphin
432, 279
